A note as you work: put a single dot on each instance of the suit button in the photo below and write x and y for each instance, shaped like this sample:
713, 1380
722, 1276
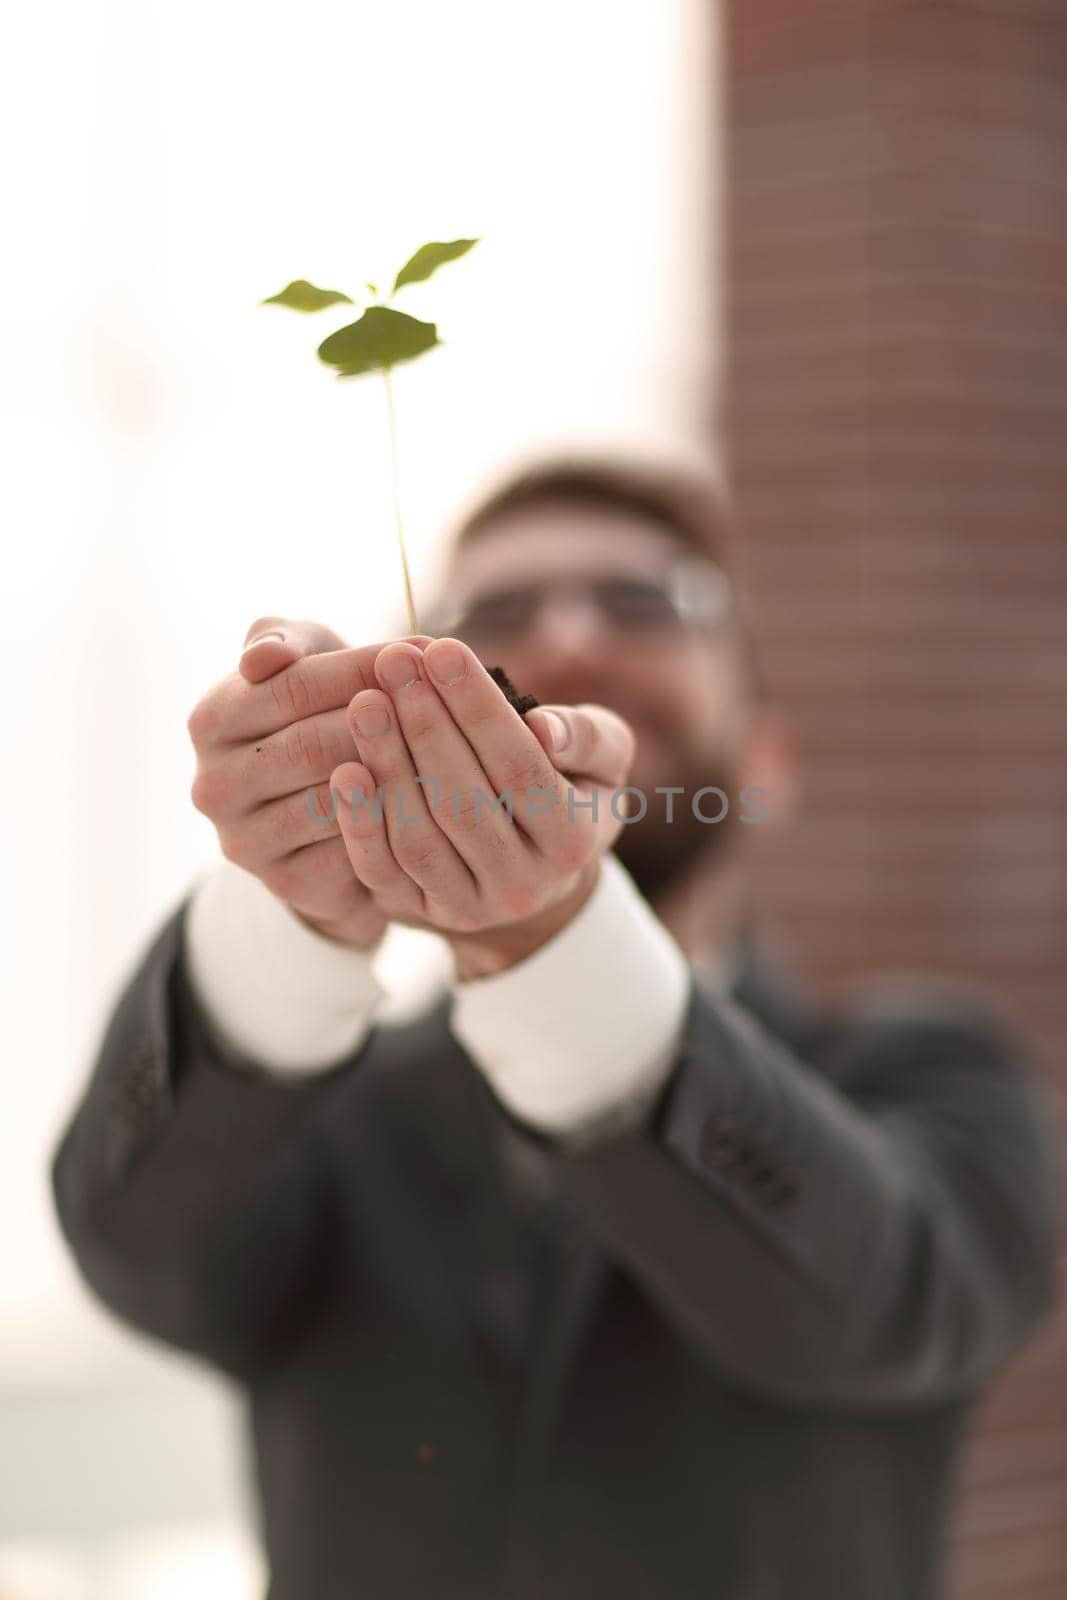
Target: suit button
746, 1163
719, 1141
785, 1190
764, 1182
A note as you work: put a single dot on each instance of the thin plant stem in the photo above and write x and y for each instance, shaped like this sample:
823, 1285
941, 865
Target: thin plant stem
391, 413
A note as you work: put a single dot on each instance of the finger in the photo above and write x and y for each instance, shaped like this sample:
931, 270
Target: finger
289, 823
232, 782
236, 710
275, 642
361, 818
462, 797
595, 749
598, 744
293, 759
317, 883
420, 846
509, 753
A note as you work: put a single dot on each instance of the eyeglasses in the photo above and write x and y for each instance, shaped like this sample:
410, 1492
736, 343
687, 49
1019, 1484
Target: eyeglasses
693, 595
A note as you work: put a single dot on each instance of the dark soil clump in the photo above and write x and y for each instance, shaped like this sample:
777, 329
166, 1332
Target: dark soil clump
521, 702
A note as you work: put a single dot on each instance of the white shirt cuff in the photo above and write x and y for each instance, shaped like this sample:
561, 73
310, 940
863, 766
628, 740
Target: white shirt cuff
582, 1034
274, 993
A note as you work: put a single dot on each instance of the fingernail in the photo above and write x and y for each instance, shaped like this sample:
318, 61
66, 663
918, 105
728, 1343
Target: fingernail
399, 670
557, 729
274, 634
447, 662
371, 720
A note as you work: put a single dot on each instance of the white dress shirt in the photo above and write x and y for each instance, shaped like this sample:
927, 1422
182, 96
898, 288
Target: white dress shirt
575, 1039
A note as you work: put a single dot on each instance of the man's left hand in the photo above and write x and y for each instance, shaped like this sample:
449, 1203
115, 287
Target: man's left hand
445, 855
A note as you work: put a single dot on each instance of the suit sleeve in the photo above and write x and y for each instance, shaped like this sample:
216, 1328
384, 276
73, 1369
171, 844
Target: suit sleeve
194, 1194
879, 1236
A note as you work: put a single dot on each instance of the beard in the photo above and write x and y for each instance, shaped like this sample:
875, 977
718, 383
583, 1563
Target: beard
659, 854
656, 853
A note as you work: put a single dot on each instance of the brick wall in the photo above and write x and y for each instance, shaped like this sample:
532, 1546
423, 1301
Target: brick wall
897, 438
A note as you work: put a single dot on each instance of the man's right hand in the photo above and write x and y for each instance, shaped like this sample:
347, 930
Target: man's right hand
264, 736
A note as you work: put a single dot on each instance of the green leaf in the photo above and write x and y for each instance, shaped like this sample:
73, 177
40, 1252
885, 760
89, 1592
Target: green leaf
380, 339
300, 295
426, 260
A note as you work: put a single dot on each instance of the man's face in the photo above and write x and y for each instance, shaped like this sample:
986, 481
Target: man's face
681, 692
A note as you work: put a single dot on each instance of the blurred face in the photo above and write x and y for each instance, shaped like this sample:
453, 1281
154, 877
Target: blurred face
681, 691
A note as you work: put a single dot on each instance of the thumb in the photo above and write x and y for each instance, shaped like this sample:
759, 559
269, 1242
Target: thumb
273, 643
597, 743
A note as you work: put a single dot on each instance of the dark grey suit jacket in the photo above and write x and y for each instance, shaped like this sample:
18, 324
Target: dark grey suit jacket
727, 1353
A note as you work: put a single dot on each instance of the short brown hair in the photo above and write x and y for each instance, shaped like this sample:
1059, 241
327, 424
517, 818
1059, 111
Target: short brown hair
685, 501
688, 502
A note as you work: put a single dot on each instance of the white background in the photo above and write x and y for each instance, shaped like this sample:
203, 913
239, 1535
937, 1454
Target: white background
177, 462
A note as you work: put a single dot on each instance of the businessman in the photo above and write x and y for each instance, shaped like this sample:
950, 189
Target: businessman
625, 1267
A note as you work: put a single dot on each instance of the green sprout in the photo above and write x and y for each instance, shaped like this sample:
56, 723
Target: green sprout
377, 342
